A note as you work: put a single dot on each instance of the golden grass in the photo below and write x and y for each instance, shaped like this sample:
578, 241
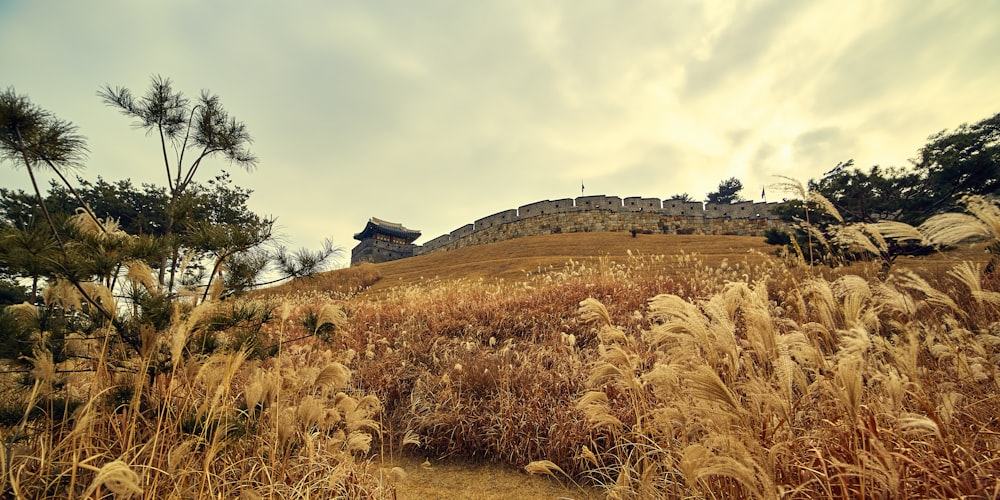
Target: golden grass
660, 366
511, 260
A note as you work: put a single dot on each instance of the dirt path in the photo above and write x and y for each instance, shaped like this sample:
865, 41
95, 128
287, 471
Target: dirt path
458, 480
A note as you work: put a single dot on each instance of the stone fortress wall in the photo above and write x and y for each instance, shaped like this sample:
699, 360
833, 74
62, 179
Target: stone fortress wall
610, 214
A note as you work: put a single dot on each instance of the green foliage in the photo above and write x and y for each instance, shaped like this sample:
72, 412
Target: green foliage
953, 164
872, 195
240, 315
15, 335
204, 342
218, 221
304, 262
119, 397
150, 312
244, 270
960, 162
203, 130
965, 161
137, 210
242, 321
30, 135
95, 248
11, 292
728, 192
775, 236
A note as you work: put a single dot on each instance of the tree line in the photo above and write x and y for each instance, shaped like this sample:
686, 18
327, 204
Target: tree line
955, 168
953, 164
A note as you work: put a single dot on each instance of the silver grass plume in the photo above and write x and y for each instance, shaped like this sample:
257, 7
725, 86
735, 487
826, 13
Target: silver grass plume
25, 312
140, 272
970, 275
860, 236
796, 188
543, 467
982, 221
118, 477
899, 231
986, 211
593, 312
698, 463
910, 280
952, 228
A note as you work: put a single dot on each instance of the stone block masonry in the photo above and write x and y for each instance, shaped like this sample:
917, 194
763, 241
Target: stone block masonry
372, 250
610, 214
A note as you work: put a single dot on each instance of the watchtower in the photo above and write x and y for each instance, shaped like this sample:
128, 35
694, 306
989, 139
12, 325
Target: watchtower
382, 241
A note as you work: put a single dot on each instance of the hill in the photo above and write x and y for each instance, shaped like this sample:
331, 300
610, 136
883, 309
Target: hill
708, 353
513, 260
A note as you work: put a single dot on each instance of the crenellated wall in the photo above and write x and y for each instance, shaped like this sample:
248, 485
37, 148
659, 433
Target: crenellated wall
609, 214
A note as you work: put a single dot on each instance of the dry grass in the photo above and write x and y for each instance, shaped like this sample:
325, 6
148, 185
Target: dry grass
661, 366
214, 425
771, 383
512, 260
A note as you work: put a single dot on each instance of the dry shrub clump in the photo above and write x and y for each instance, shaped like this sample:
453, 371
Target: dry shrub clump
179, 421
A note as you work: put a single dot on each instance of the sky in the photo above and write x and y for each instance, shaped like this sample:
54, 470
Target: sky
433, 114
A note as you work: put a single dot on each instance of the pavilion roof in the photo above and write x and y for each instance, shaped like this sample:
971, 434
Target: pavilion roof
380, 226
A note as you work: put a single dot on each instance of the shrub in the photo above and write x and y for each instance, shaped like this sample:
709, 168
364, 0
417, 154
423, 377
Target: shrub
775, 236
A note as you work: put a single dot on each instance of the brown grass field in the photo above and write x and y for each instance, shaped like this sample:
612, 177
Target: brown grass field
576, 365
516, 259
465, 282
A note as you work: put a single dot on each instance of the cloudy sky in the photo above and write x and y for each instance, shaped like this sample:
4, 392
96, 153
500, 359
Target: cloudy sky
436, 113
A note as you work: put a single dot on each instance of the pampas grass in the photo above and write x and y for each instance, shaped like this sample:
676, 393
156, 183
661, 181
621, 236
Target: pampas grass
213, 425
644, 376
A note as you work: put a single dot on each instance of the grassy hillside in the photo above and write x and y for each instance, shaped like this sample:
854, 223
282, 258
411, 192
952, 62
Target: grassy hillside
681, 365
655, 367
518, 259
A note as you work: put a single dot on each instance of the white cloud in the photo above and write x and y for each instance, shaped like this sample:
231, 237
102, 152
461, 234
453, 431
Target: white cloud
434, 114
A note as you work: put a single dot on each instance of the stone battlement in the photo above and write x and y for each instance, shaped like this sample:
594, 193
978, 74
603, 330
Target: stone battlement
609, 214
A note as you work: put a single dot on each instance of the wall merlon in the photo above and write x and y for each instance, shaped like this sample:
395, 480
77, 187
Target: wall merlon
438, 242
741, 210
463, 231
496, 219
546, 207
599, 202
638, 204
684, 208
765, 210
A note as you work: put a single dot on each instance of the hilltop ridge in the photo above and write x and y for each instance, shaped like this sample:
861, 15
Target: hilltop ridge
513, 259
